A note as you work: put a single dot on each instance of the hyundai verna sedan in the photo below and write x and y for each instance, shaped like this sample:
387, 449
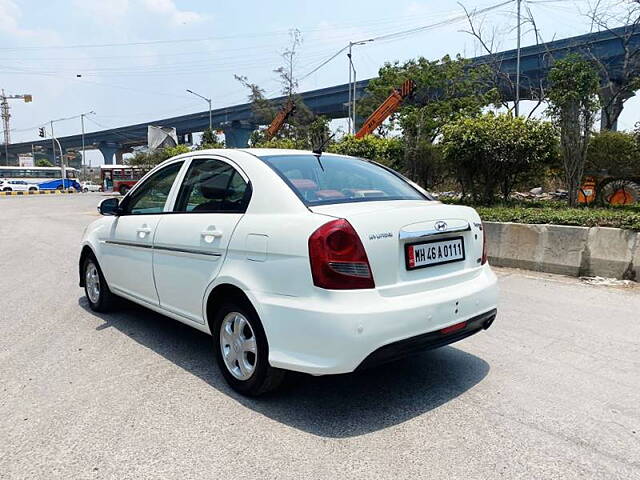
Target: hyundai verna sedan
291, 260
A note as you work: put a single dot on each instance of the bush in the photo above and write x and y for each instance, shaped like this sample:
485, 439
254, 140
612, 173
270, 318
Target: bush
614, 153
494, 153
387, 151
151, 159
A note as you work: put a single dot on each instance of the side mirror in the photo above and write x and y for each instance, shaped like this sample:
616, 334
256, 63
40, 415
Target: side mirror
109, 206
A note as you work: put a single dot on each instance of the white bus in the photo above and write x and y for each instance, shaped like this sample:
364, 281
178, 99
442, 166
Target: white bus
47, 178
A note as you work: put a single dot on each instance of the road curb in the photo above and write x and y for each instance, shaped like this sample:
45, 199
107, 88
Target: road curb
38, 192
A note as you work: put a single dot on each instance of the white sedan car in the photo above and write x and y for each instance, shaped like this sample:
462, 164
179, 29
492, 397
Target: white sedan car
291, 260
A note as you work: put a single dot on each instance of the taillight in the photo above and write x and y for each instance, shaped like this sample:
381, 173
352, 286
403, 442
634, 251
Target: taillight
484, 246
337, 256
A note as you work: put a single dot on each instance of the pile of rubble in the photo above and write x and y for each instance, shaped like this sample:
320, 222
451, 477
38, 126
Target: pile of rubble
538, 194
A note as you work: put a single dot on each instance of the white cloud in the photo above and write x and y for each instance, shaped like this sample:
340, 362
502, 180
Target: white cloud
10, 15
107, 11
168, 9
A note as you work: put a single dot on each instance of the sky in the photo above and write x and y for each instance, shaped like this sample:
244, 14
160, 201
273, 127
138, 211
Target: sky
131, 61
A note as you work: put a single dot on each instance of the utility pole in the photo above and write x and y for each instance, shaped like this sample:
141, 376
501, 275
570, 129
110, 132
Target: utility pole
208, 100
6, 115
517, 103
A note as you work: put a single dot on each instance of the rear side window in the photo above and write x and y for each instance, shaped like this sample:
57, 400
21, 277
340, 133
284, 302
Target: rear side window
325, 179
212, 186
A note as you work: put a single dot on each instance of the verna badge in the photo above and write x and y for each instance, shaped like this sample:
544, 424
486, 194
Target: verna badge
440, 226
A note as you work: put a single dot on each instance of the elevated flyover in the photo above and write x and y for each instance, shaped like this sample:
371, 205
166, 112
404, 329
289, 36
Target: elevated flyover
238, 121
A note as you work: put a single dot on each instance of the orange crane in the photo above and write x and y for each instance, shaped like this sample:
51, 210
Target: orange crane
280, 118
386, 108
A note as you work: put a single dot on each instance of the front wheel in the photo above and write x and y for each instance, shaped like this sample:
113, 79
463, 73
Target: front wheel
242, 351
95, 287
85, 190
33, 189
6, 189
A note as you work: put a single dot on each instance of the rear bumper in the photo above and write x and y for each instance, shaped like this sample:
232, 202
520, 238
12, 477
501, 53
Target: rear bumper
342, 331
428, 341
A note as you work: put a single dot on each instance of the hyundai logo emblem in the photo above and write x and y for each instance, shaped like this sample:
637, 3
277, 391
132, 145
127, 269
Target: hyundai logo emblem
440, 226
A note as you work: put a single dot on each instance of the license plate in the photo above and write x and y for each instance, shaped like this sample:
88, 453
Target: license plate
434, 252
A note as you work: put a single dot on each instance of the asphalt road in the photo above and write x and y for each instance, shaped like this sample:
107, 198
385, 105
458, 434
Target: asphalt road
552, 390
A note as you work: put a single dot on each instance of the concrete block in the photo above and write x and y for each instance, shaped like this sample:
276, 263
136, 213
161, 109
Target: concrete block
563, 249
611, 252
635, 260
517, 245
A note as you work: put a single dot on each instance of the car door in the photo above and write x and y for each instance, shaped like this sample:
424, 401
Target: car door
128, 246
190, 244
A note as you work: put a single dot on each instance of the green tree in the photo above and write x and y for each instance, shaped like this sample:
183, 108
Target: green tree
446, 89
210, 140
43, 162
303, 128
493, 153
615, 153
151, 159
573, 104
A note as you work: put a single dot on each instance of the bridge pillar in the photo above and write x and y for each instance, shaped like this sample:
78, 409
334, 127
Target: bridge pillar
110, 150
237, 134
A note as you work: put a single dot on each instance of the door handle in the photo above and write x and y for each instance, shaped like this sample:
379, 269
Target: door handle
210, 235
143, 231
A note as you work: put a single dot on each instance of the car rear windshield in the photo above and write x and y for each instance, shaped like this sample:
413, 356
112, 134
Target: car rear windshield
324, 179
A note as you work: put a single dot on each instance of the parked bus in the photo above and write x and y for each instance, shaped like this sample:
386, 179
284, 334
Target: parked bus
47, 178
120, 178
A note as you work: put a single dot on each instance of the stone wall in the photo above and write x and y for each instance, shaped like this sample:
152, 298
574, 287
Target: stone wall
576, 251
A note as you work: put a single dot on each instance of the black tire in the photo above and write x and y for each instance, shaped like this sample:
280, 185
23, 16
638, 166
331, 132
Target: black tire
264, 378
33, 189
85, 190
104, 301
7, 189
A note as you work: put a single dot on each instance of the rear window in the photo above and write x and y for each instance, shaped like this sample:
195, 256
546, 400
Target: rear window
320, 180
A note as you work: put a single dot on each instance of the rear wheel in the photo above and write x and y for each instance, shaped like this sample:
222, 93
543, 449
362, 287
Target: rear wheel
6, 189
95, 287
32, 189
242, 351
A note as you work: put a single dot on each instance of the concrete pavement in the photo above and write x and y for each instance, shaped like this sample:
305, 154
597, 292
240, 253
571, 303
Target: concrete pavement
552, 390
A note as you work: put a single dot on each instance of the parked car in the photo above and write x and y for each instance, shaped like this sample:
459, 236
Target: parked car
89, 186
17, 186
323, 264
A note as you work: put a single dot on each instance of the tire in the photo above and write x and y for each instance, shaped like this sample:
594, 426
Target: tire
85, 190
123, 190
59, 187
33, 189
100, 300
7, 190
235, 348
101, 189
620, 192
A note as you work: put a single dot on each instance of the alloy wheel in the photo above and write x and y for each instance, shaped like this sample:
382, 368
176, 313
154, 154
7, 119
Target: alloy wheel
238, 345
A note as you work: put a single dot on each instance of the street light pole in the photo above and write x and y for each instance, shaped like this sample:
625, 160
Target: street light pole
84, 169
208, 100
352, 85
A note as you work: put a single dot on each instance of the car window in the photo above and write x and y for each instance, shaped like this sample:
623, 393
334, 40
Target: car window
328, 179
212, 186
152, 195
